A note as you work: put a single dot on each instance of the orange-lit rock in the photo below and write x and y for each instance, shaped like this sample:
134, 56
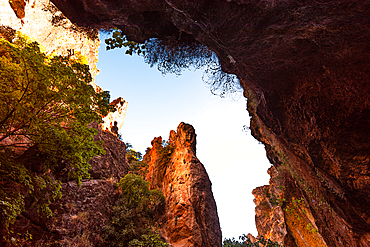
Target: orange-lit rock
42, 21
118, 115
304, 67
190, 217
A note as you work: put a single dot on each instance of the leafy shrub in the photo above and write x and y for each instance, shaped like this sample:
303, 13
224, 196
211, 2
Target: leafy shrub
244, 241
131, 154
46, 104
135, 160
150, 239
133, 213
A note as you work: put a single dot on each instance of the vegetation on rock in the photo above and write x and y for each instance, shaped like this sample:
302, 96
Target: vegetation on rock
164, 152
244, 241
176, 54
135, 159
46, 104
133, 221
306, 65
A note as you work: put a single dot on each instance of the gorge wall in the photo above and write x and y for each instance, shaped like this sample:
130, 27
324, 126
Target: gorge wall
190, 217
304, 68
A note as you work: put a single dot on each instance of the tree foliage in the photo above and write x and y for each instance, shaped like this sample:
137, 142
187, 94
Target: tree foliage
131, 154
174, 55
244, 241
118, 41
46, 104
133, 214
135, 160
150, 239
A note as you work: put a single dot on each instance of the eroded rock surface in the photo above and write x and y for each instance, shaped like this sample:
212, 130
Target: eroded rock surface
112, 164
82, 211
270, 221
304, 68
190, 217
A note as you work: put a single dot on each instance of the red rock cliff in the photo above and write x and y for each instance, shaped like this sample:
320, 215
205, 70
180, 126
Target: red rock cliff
304, 68
190, 217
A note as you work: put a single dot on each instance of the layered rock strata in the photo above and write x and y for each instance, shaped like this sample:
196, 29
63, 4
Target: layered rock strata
190, 217
304, 68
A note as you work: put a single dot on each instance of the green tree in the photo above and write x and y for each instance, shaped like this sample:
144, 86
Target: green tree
150, 239
133, 213
46, 105
135, 160
244, 241
131, 154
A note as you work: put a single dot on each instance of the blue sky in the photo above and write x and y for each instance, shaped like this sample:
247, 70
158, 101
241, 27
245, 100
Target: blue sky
236, 163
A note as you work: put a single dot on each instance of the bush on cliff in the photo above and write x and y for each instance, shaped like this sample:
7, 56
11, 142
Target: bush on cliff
135, 160
244, 241
176, 54
46, 104
131, 154
134, 214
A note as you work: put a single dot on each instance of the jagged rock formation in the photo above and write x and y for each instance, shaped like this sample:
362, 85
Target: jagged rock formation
82, 211
113, 164
190, 217
304, 68
269, 214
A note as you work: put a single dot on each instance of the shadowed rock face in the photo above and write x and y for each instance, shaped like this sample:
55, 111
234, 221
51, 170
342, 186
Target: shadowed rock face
190, 217
304, 68
82, 211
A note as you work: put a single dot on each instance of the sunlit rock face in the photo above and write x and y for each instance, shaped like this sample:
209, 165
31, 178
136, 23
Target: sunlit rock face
304, 68
118, 115
190, 217
42, 21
